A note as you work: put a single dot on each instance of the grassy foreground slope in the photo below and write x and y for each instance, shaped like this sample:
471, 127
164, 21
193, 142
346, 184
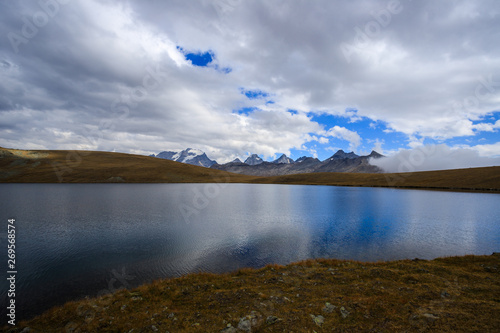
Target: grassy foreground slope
456, 294
51, 166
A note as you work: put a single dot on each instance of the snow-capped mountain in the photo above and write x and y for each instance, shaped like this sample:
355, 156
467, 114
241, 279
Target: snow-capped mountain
254, 159
188, 156
283, 159
167, 155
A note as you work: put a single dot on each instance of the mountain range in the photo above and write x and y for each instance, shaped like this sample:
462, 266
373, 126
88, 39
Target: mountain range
284, 165
188, 156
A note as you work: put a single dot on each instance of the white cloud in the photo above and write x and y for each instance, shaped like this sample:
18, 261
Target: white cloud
378, 146
488, 149
68, 76
434, 157
323, 140
487, 127
345, 134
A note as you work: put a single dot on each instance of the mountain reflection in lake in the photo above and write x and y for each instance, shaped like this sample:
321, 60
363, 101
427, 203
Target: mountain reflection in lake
83, 239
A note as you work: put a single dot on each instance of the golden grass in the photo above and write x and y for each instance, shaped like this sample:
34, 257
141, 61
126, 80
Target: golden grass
52, 166
456, 294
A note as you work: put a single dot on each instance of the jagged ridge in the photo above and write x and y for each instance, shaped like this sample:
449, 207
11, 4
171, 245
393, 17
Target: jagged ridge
188, 156
339, 162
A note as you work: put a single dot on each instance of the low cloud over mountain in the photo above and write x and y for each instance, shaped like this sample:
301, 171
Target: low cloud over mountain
433, 157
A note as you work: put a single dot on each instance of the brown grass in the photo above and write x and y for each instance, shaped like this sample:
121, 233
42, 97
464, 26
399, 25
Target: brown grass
485, 179
52, 166
456, 294
24, 166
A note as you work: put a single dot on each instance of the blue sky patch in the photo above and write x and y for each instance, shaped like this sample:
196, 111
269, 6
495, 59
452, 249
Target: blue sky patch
245, 111
473, 140
254, 94
490, 118
225, 70
204, 59
200, 59
370, 131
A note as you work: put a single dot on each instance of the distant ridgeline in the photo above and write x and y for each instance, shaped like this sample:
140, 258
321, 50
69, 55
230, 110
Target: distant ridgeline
255, 166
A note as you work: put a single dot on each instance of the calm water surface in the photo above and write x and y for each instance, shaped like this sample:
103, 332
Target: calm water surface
75, 240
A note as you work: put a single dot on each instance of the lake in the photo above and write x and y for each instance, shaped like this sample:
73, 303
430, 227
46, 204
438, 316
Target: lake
77, 240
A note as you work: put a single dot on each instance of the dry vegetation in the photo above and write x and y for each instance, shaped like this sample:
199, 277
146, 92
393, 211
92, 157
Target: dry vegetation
456, 294
53, 166
473, 179
22, 166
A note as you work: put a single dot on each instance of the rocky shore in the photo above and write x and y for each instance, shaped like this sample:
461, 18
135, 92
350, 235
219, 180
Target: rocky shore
455, 294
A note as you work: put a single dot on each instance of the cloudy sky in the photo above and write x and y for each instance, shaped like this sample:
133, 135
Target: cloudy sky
233, 77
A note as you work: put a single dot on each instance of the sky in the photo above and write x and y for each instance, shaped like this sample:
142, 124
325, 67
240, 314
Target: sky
235, 77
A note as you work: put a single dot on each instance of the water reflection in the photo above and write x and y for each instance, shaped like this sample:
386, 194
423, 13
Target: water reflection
72, 237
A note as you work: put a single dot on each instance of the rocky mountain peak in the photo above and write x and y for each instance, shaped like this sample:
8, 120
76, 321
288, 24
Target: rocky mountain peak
301, 159
341, 154
283, 159
254, 159
188, 156
374, 154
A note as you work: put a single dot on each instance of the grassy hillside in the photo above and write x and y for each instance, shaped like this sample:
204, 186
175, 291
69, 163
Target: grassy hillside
51, 166
458, 294
473, 179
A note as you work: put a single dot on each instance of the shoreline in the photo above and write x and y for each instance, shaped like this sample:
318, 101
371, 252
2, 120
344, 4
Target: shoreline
442, 294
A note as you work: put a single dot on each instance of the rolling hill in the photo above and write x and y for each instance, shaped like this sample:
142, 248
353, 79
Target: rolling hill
53, 166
